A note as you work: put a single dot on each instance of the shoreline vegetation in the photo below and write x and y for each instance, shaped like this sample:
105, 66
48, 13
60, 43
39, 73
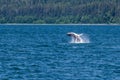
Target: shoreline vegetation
60, 12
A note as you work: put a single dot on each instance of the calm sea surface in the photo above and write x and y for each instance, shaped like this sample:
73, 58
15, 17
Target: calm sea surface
43, 52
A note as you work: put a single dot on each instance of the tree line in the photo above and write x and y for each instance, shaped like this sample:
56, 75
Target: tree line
60, 11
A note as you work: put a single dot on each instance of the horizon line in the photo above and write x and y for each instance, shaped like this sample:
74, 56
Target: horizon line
53, 24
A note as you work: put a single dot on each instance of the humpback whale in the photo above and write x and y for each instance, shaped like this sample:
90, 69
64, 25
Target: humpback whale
78, 38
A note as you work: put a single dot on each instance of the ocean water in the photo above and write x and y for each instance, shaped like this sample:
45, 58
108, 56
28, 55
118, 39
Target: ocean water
43, 52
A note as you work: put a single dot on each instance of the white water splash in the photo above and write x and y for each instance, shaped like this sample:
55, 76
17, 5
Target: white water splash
81, 38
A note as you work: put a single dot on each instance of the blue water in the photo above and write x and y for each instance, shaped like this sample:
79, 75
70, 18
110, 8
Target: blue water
43, 52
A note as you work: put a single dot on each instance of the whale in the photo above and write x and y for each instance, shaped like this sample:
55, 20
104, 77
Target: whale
76, 38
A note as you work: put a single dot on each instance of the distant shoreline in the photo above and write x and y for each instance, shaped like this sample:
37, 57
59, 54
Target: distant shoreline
56, 24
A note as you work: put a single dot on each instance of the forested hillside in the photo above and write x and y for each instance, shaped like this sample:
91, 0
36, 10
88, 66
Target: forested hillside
60, 11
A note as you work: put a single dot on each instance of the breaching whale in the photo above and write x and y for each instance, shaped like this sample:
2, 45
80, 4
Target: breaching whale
78, 38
